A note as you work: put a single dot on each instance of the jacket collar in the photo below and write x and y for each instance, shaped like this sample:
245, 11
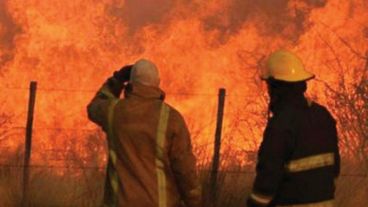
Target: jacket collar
143, 91
291, 102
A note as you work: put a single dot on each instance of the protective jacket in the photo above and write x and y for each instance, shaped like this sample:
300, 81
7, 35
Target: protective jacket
151, 163
298, 159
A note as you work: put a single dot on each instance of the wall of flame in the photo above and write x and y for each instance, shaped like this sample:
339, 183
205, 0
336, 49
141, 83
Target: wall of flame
71, 47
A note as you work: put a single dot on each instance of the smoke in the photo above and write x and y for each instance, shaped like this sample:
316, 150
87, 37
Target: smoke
136, 14
274, 18
365, 32
287, 19
8, 31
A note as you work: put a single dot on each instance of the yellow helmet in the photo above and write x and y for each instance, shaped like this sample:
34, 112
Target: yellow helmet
285, 66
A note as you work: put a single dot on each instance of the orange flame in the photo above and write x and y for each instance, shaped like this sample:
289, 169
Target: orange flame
71, 47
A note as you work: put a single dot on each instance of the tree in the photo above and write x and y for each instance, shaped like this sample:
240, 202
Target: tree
349, 103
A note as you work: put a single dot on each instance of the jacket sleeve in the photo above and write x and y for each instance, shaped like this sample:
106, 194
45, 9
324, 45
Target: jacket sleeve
270, 166
183, 164
97, 109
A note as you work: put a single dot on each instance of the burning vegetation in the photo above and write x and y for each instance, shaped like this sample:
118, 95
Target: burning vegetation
70, 47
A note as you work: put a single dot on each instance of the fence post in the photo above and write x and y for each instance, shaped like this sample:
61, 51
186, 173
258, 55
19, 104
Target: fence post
28, 141
217, 147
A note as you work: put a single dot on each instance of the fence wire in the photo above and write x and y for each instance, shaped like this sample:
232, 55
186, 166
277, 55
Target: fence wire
91, 130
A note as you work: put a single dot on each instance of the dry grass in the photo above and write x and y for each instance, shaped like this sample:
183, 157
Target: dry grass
48, 189
84, 187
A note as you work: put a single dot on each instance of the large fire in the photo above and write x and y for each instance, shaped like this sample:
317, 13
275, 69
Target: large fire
71, 47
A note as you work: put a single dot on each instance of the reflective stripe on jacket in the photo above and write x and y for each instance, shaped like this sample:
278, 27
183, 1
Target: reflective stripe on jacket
150, 154
311, 162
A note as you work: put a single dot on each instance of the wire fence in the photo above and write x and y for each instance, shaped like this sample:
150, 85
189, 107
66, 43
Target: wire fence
88, 93
92, 91
69, 159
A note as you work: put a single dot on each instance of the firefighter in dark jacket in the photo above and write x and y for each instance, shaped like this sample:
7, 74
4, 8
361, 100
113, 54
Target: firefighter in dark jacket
298, 160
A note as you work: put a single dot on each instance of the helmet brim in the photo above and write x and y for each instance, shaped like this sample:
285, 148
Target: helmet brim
306, 76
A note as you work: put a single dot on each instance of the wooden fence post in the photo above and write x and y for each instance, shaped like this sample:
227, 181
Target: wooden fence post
28, 141
217, 147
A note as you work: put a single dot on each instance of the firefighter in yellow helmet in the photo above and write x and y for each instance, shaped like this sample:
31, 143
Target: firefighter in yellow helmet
298, 160
151, 163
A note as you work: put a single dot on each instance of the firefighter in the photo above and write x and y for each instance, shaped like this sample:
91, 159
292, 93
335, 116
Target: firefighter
150, 162
298, 159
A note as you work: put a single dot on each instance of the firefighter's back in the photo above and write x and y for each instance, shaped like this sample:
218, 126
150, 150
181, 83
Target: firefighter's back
142, 172
314, 157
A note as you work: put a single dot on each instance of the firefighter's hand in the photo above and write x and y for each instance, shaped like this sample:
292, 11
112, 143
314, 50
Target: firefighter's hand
123, 75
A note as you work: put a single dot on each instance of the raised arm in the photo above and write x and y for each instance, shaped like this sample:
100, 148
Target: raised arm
109, 92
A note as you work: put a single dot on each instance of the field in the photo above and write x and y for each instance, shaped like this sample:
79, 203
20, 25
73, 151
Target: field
85, 188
